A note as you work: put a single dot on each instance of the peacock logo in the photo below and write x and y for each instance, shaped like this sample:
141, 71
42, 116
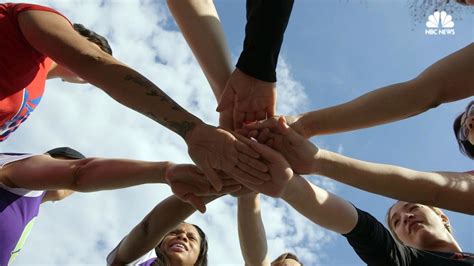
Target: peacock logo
440, 23
440, 17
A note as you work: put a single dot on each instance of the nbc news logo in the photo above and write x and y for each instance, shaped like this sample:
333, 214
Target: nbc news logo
440, 23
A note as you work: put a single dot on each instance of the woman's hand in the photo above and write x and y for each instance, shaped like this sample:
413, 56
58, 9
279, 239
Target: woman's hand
190, 185
278, 168
214, 149
298, 151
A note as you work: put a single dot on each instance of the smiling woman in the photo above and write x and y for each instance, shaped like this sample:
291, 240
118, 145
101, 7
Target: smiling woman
184, 239
162, 238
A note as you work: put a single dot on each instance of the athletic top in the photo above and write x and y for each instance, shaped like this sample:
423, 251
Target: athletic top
375, 246
18, 210
266, 25
146, 260
23, 69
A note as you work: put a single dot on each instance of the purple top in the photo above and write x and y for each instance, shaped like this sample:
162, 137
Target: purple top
148, 262
18, 210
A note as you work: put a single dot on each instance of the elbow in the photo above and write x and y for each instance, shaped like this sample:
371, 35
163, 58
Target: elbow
81, 172
426, 93
95, 58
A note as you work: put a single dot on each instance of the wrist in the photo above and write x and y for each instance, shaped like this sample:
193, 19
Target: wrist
194, 128
164, 169
319, 161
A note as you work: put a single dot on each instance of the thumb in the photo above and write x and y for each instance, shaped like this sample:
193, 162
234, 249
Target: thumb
227, 99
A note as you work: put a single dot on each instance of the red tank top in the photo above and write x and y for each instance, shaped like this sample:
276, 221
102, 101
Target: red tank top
23, 69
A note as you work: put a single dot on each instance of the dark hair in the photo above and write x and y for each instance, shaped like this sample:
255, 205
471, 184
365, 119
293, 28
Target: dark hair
162, 259
93, 37
287, 255
66, 152
465, 146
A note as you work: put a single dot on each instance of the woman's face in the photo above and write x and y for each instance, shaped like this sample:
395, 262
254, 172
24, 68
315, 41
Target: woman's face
417, 225
467, 124
182, 245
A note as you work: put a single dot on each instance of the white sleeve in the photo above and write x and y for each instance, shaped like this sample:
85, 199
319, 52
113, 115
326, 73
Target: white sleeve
111, 257
6, 158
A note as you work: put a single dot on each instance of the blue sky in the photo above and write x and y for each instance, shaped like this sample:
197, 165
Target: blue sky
333, 51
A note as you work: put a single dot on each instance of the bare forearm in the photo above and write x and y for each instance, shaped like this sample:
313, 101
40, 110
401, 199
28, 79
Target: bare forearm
148, 233
202, 29
133, 90
102, 174
381, 106
446, 190
42, 172
252, 237
449, 79
53, 36
320, 206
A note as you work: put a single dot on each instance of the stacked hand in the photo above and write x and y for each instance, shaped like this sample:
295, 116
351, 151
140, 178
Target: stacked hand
214, 149
278, 168
253, 130
190, 185
258, 167
298, 151
250, 99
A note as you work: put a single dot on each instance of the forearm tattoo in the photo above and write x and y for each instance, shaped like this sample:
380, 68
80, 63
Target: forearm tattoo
181, 128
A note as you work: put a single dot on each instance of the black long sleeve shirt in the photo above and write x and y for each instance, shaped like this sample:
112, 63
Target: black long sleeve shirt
266, 25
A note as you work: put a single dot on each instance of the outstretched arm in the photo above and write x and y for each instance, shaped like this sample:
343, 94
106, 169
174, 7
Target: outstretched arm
201, 27
252, 85
319, 206
51, 34
250, 91
42, 172
252, 238
316, 204
148, 233
447, 190
450, 79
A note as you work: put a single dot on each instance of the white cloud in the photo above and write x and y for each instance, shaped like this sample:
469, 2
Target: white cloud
85, 227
